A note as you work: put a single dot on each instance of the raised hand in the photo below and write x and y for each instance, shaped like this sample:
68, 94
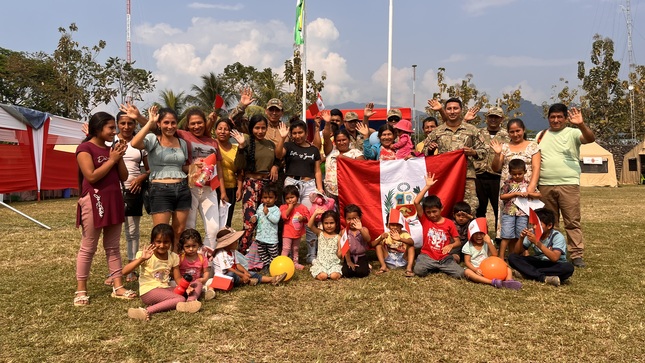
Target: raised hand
575, 116
284, 130
130, 110
246, 97
496, 146
472, 113
368, 111
239, 137
153, 114
148, 251
326, 115
356, 224
430, 181
363, 129
434, 104
86, 129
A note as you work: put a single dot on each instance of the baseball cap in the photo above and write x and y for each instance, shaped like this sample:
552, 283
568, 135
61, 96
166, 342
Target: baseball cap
351, 116
274, 102
394, 112
495, 111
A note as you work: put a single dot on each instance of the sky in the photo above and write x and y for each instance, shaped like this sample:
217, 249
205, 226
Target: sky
504, 44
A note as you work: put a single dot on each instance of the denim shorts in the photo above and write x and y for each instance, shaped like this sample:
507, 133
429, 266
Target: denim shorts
512, 226
169, 197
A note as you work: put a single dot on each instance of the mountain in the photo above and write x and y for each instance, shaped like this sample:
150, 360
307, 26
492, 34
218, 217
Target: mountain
532, 115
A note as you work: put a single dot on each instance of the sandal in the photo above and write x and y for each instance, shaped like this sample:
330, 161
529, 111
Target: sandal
381, 271
132, 277
127, 294
409, 273
82, 300
138, 314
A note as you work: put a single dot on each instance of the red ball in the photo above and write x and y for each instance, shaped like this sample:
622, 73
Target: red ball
494, 268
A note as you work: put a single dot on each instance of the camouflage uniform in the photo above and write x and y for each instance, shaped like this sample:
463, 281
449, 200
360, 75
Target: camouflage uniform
356, 143
466, 135
488, 180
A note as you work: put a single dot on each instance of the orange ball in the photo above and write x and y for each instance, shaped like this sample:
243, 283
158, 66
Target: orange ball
494, 268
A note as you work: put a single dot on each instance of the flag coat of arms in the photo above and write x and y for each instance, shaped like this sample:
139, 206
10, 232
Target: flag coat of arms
378, 186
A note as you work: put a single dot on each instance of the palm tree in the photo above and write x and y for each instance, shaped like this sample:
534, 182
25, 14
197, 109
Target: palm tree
176, 101
204, 96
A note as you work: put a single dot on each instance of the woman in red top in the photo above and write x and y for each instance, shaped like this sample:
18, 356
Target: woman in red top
100, 207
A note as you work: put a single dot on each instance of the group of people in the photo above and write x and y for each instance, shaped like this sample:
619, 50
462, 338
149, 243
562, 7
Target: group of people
288, 186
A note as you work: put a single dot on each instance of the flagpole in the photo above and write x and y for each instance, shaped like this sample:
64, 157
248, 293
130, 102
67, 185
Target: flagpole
303, 58
389, 58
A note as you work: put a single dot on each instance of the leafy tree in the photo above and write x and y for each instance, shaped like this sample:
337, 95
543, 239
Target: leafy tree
130, 83
204, 96
561, 93
465, 90
604, 104
293, 77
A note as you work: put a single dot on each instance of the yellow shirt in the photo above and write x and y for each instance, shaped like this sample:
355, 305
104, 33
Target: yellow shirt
155, 273
228, 166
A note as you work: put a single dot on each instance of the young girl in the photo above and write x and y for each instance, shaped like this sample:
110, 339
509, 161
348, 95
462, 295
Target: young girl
294, 215
327, 263
396, 247
267, 218
156, 264
192, 263
404, 146
302, 169
355, 262
225, 261
514, 220
100, 207
478, 248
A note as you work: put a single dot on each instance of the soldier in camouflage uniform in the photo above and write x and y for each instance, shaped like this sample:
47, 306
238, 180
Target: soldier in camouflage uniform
487, 182
455, 134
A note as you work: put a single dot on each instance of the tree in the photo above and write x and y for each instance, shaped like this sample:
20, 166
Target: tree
560, 94
292, 101
604, 104
204, 96
130, 83
465, 90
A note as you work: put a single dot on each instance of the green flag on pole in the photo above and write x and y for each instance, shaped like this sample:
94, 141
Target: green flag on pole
297, 32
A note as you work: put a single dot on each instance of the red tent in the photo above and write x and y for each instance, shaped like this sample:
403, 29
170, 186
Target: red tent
28, 158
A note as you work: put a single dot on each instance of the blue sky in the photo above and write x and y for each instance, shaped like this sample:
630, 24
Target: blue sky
502, 43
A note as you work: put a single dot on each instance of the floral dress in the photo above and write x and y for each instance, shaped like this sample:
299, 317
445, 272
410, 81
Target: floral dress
527, 154
326, 261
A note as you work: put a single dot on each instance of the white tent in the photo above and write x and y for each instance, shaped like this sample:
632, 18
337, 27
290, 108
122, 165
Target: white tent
634, 166
597, 165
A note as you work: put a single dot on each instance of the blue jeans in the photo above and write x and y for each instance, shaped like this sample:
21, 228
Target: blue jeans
512, 226
238, 281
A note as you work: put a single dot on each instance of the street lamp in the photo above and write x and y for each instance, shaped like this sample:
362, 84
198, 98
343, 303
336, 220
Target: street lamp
414, 95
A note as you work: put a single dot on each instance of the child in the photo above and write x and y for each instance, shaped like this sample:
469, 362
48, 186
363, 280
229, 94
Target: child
225, 261
194, 264
294, 215
156, 264
476, 250
514, 220
549, 261
440, 236
396, 247
327, 262
404, 146
461, 214
355, 262
267, 217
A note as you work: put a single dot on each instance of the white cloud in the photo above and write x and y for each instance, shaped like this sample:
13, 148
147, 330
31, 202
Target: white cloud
454, 58
525, 61
235, 7
479, 7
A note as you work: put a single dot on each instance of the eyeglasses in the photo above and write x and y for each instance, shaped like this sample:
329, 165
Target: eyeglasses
352, 121
393, 119
274, 109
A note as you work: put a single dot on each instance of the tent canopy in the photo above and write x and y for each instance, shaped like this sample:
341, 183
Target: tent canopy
633, 171
598, 167
28, 160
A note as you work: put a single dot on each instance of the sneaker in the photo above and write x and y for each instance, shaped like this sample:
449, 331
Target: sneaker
209, 295
253, 281
298, 266
512, 284
516, 274
552, 280
189, 306
278, 279
578, 262
497, 283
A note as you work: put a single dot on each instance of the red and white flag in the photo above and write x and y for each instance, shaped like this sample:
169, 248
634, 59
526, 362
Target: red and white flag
317, 106
378, 186
344, 243
219, 103
535, 221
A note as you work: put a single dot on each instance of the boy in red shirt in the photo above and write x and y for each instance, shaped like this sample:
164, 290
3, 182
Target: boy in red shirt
440, 236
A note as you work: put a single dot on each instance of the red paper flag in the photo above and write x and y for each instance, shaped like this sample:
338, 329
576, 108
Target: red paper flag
535, 221
344, 244
317, 106
219, 102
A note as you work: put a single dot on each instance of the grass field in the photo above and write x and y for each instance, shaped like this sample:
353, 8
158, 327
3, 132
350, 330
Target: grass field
598, 316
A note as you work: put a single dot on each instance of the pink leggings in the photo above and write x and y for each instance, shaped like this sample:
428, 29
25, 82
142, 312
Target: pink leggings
164, 298
90, 239
288, 244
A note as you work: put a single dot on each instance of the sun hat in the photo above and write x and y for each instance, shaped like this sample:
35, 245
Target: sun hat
404, 125
227, 236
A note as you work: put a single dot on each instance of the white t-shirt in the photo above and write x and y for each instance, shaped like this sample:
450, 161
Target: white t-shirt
476, 256
132, 159
223, 261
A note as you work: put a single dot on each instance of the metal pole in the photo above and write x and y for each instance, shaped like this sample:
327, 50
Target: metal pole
24, 215
414, 96
389, 58
303, 56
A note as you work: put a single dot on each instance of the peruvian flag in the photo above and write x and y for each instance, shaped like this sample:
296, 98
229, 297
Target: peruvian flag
378, 186
535, 221
344, 243
317, 107
219, 102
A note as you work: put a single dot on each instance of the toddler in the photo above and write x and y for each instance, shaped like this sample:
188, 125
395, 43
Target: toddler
327, 262
396, 247
404, 146
267, 217
193, 263
355, 262
294, 215
461, 214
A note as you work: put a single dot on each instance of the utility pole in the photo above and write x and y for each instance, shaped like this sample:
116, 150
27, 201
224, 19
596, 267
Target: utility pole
414, 96
632, 67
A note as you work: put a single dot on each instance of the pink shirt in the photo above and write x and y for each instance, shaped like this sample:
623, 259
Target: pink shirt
292, 227
194, 268
403, 147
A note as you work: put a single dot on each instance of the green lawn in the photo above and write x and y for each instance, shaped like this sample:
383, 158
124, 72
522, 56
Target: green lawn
598, 316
